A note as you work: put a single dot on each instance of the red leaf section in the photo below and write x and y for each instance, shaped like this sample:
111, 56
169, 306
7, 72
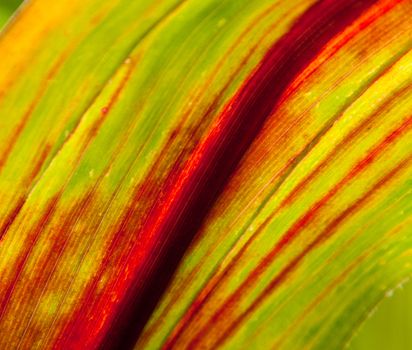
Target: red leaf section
192, 189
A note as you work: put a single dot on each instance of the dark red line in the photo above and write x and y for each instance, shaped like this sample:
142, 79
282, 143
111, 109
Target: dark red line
363, 25
281, 65
299, 188
223, 149
129, 219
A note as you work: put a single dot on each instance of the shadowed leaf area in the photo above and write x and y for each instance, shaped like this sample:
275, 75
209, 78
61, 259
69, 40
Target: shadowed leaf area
202, 174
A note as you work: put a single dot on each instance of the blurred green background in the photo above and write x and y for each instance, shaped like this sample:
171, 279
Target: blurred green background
389, 328
7, 7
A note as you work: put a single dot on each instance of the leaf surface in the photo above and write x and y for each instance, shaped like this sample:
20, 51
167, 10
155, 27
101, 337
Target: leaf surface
202, 174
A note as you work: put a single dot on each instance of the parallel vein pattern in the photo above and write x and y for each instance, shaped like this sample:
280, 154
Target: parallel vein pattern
202, 174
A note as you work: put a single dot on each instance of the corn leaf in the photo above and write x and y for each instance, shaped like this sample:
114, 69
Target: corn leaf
202, 174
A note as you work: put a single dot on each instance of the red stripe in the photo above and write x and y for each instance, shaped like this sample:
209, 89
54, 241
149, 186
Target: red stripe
277, 62
177, 292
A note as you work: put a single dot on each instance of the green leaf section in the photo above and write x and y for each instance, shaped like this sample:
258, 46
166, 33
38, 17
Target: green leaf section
7, 8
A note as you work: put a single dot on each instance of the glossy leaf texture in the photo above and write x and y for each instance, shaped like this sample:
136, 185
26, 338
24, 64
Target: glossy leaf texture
202, 174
